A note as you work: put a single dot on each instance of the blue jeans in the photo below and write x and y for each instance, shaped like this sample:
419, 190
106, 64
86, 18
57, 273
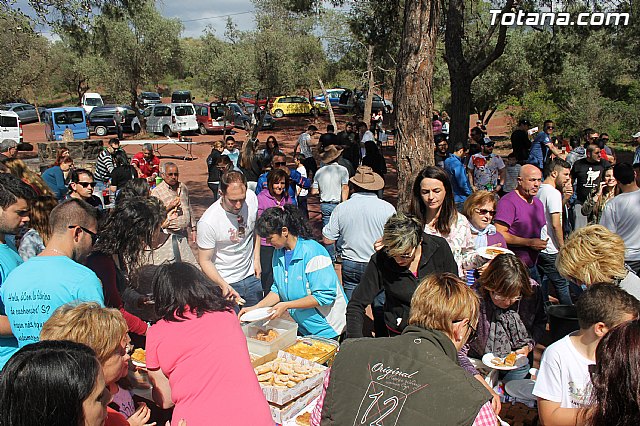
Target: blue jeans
250, 289
326, 209
533, 273
351, 274
549, 273
517, 374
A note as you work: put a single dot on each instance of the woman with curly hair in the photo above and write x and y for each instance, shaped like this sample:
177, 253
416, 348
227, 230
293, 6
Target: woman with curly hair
132, 226
304, 281
19, 169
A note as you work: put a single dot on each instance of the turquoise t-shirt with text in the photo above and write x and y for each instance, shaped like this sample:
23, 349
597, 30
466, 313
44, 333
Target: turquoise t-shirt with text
9, 260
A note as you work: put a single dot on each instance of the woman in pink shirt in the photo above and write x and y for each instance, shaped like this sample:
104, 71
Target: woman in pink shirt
197, 355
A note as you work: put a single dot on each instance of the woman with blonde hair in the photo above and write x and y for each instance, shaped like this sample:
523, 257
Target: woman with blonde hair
34, 240
19, 169
594, 254
105, 331
443, 317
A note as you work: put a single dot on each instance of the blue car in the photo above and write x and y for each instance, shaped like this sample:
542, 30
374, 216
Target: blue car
334, 97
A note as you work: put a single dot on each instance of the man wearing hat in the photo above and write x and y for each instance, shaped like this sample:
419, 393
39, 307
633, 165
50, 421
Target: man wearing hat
636, 142
520, 142
331, 181
357, 223
485, 168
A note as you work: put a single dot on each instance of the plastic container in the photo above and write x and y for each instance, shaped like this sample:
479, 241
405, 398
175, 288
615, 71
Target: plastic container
287, 332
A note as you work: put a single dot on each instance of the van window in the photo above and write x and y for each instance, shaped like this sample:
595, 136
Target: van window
162, 111
183, 110
93, 102
147, 112
68, 117
8, 121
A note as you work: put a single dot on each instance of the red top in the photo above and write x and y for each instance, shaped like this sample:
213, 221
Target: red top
147, 167
105, 268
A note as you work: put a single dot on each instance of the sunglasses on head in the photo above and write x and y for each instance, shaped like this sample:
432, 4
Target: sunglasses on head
93, 235
86, 184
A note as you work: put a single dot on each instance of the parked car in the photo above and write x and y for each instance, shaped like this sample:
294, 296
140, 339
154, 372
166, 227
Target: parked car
211, 118
57, 120
100, 120
90, 101
172, 118
292, 105
250, 98
350, 100
242, 117
181, 97
26, 112
334, 96
10, 126
146, 99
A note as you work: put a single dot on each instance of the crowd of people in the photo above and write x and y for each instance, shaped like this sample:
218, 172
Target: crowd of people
95, 264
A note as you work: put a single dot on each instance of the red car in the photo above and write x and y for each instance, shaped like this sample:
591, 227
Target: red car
210, 118
250, 98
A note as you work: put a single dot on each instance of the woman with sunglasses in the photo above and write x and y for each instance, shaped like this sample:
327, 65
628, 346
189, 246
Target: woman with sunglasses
305, 283
407, 256
132, 226
480, 208
432, 202
512, 317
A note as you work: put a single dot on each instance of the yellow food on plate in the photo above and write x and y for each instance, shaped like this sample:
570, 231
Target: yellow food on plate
310, 349
304, 419
139, 355
508, 361
493, 251
282, 373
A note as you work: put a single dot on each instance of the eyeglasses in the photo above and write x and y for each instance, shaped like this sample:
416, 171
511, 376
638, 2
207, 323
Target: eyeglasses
241, 228
280, 163
93, 235
473, 333
410, 255
483, 212
173, 174
501, 298
86, 184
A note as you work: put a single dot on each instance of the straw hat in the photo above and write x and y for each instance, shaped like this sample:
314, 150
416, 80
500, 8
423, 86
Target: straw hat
367, 179
330, 154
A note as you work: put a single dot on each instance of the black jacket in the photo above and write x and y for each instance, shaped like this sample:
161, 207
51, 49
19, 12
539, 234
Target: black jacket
399, 284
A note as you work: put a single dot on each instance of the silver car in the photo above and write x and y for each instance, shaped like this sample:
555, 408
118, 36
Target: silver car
27, 113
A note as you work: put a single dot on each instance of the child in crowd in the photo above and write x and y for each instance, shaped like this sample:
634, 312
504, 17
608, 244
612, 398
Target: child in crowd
513, 170
231, 151
563, 385
301, 193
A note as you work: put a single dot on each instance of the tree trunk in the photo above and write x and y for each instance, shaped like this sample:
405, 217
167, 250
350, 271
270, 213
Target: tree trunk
371, 83
413, 97
332, 116
460, 107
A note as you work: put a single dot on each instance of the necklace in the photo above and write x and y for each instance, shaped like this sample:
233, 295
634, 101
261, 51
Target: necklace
58, 251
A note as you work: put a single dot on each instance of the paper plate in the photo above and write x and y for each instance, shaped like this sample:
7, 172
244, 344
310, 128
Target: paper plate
256, 315
489, 252
520, 361
138, 363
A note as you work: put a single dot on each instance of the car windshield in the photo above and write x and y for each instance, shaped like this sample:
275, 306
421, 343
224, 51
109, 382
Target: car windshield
68, 117
184, 110
150, 96
93, 102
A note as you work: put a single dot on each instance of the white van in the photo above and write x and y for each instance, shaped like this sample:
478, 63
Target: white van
10, 126
90, 101
169, 119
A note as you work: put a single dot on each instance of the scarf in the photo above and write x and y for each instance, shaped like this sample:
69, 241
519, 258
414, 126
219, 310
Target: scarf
506, 332
481, 236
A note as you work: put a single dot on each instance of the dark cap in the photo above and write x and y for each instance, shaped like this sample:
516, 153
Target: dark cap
486, 141
525, 122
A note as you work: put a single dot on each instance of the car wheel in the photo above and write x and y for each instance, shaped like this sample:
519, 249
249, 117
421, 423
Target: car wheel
278, 113
166, 130
202, 129
136, 128
101, 131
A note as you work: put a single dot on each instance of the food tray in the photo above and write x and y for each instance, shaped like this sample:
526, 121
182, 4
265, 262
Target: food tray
320, 357
287, 331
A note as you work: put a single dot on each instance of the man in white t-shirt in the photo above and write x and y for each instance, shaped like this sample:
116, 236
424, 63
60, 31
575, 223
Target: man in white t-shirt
620, 215
556, 174
563, 383
304, 143
226, 241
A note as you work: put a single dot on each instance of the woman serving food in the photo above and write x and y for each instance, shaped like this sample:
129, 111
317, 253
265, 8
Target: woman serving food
305, 283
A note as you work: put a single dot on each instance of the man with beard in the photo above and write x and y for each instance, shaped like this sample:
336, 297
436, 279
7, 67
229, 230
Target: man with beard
15, 196
35, 289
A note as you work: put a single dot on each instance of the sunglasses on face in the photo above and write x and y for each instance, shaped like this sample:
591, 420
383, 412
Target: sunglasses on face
86, 184
280, 163
472, 333
483, 212
93, 235
550, 127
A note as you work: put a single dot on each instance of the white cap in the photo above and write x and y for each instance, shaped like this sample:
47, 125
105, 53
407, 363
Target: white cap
637, 135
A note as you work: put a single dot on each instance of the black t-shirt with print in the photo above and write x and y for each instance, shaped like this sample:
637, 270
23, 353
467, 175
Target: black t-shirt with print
587, 177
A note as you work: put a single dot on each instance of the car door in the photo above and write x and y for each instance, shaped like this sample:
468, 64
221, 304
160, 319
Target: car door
150, 118
30, 113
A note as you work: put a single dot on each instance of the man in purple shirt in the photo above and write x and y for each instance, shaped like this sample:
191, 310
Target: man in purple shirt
520, 218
